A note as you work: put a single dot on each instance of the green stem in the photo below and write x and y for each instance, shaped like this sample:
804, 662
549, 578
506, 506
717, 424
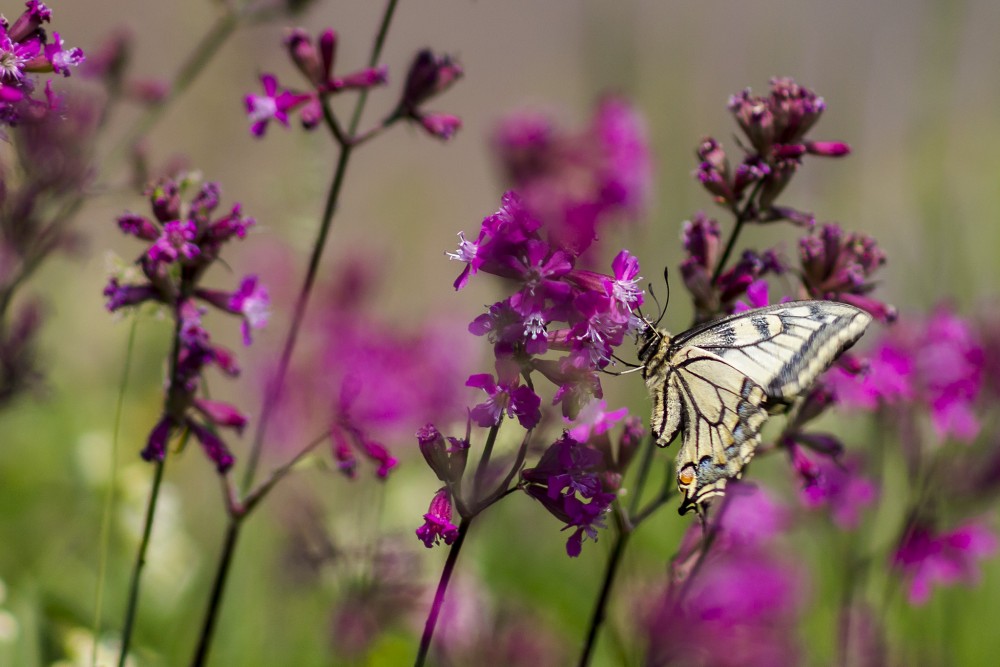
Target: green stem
330, 208
625, 525
484, 461
218, 588
599, 613
742, 217
140, 562
109, 498
435, 611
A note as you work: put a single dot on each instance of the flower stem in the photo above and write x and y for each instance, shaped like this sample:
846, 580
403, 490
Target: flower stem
600, 608
140, 561
218, 588
484, 461
109, 499
435, 611
625, 526
210, 44
742, 217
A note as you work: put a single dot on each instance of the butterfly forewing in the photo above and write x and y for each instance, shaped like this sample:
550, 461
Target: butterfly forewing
712, 382
783, 347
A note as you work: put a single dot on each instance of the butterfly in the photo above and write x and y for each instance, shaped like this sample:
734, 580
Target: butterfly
715, 383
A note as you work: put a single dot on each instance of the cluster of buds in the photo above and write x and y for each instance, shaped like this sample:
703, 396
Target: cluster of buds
429, 75
701, 237
838, 265
25, 49
775, 126
183, 242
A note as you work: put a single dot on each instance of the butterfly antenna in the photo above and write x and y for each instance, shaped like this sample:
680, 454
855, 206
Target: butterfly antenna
663, 309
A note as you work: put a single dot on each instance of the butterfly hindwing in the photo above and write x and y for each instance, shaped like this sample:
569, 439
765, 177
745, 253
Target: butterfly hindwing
713, 383
722, 416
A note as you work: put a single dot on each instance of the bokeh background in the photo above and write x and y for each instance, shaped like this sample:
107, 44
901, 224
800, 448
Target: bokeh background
911, 86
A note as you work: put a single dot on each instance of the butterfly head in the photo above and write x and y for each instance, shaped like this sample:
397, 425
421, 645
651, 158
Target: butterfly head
653, 340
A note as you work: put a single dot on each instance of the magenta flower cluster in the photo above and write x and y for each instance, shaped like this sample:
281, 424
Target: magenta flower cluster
575, 182
556, 307
775, 126
429, 76
579, 475
183, 241
25, 49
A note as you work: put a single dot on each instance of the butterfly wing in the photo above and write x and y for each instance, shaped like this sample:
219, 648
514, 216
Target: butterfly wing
713, 382
721, 415
783, 347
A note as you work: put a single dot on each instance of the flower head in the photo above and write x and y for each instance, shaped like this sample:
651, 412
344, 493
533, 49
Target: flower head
838, 265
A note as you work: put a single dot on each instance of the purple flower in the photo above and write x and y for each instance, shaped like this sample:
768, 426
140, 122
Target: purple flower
446, 457
185, 238
937, 362
567, 475
437, 526
156, 446
506, 395
251, 301
213, 445
751, 599
175, 241
60, 58
837, 485
429, 76
927, 557
272, 105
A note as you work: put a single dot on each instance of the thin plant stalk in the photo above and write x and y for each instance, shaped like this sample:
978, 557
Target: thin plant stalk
625, 525
109, 498
272, 394
154, 494
597, 616
439, 595
140, 562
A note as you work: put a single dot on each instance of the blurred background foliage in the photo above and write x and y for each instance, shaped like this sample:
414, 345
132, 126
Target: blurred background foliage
911, 86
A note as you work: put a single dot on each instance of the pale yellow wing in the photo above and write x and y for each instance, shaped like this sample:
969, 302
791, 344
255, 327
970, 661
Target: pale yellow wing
721, 415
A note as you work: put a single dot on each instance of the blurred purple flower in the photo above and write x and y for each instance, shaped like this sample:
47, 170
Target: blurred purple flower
429, 76
744, 595
835, 484
370, 379
272, 105
927, 557
937, 362
575, 182
194, 242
